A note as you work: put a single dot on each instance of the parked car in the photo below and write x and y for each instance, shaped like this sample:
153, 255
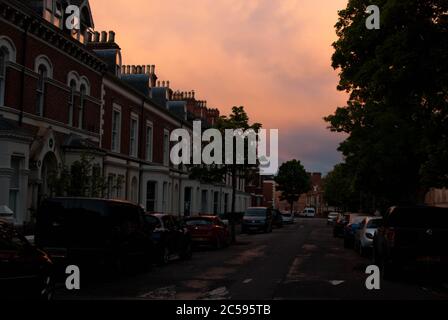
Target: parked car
84, 231
352, 226
340, 223
257, 219
25, 271
309, 212
331, 218
412, 237
288, 217
170, 236
364, 236
277, 218
208, 230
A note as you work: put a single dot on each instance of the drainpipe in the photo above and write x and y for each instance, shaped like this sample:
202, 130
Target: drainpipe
140, 173
23, 62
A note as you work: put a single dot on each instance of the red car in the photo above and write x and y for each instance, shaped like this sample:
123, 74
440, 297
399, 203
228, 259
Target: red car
208, 230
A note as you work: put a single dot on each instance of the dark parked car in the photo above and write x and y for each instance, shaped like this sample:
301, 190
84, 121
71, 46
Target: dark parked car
93, 231
170, 236
339, 225
412, 237
25, 271
257, 219
208, 230
277, 218
352, 226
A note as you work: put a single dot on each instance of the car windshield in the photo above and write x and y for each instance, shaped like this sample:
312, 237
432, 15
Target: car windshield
256, 212
199, 222
375, 223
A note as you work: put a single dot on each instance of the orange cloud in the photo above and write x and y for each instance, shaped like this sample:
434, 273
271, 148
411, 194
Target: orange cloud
273, 57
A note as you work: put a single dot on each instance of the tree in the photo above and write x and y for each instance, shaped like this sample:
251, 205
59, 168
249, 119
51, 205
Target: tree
292, 180
339, 190
83, 179
238, 119
396, 117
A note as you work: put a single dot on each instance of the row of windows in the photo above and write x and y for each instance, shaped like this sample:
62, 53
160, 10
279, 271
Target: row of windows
79, 86
133, 137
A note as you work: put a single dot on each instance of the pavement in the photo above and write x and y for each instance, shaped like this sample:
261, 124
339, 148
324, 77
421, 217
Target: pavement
297, 262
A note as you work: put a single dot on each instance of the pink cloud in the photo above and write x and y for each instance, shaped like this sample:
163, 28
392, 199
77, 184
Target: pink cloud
273, 57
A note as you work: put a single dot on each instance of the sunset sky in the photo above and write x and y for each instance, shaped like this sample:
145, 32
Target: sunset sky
272, 57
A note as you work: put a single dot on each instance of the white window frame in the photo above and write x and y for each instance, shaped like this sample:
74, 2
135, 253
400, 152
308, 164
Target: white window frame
4, 61
149, 141
133, 140
82, 100
166, 147
7, 46
116, 144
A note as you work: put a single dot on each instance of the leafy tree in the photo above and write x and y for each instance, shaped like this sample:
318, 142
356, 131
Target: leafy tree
396, 117
339, 190
238, 119
292, 180
83, 179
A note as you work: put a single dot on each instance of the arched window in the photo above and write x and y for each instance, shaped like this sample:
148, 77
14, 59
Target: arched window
3, 59
7, 54
43, 73
71, 103
82, 94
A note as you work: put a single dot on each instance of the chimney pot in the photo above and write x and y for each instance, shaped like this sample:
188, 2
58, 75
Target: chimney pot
128, 69
148, 69
96, 36
143, 69
163, 83
158, 83
103, 36
123, 69
168, 84
133, 70
153, 69
111, 37
89, 36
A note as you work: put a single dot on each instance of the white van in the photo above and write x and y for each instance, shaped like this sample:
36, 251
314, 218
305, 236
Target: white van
309, 212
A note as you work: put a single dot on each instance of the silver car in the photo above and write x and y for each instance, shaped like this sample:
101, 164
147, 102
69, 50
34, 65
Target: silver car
288, 217
364, 236
331, 219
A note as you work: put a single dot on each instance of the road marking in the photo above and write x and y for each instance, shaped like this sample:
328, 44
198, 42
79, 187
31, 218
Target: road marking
165, 293
247, 281
220, 293
336, 282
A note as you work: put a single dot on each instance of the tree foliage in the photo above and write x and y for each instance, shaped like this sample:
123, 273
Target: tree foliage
396, 117
292, 180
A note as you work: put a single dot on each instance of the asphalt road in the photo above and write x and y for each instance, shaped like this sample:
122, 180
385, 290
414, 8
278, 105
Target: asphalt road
300, 261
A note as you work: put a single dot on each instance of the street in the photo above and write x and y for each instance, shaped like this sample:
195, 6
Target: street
301, 261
